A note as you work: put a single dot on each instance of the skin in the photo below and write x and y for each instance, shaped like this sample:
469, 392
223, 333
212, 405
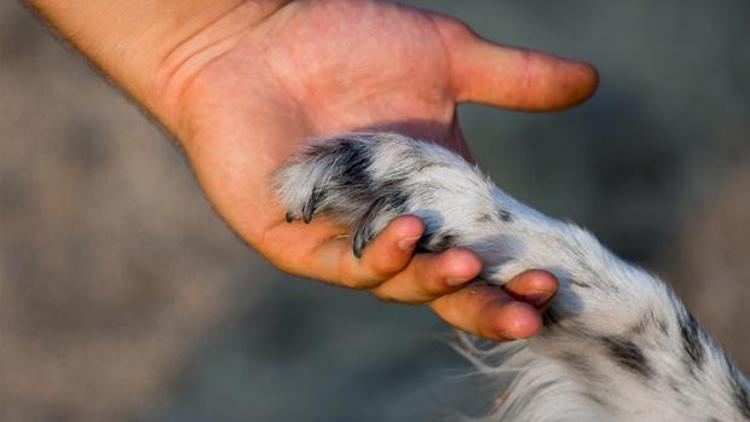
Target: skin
241, 85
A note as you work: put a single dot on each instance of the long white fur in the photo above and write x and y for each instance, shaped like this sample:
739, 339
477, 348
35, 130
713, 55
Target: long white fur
619, 346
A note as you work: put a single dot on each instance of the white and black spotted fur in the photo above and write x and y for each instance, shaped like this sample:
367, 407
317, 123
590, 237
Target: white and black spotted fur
617, 345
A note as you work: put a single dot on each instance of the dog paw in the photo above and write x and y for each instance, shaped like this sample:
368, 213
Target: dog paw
362, 181
335, 179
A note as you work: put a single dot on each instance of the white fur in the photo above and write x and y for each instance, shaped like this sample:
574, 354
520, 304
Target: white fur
620, 348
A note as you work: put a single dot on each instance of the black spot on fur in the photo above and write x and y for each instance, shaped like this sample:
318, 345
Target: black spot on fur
628, 355
504, 215
551, 318
484, 218
352, 161
581, 284
691, 342
397, 201
648, 323
581, 365
739, 393
348, 161
743, 402
444, 242
394, 195
424, 241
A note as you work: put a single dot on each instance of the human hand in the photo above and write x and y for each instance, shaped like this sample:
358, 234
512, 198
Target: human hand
248, 88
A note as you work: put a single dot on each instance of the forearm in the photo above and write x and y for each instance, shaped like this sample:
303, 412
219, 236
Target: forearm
151, 48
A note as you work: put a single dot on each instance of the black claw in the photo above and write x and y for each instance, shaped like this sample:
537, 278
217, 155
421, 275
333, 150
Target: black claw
363, 233
357, 249
309, 209
288, 217
307, 216
361, 238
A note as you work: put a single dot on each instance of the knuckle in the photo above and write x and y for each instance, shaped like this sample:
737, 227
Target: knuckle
380, 266
434, 286
354, 276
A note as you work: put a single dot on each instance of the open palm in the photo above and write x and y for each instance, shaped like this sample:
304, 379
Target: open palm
315, 68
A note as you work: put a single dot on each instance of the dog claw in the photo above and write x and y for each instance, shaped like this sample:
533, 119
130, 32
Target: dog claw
358, 245
309, 209
307, 214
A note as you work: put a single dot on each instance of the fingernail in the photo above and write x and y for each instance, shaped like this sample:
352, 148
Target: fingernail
407, 244
537, 299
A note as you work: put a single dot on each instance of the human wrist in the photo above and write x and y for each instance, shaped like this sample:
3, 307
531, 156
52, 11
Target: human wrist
151, 48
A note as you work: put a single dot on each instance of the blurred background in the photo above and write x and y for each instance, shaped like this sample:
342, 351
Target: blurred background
124, 298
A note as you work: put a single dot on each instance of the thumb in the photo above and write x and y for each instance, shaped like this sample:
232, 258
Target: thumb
511, 78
